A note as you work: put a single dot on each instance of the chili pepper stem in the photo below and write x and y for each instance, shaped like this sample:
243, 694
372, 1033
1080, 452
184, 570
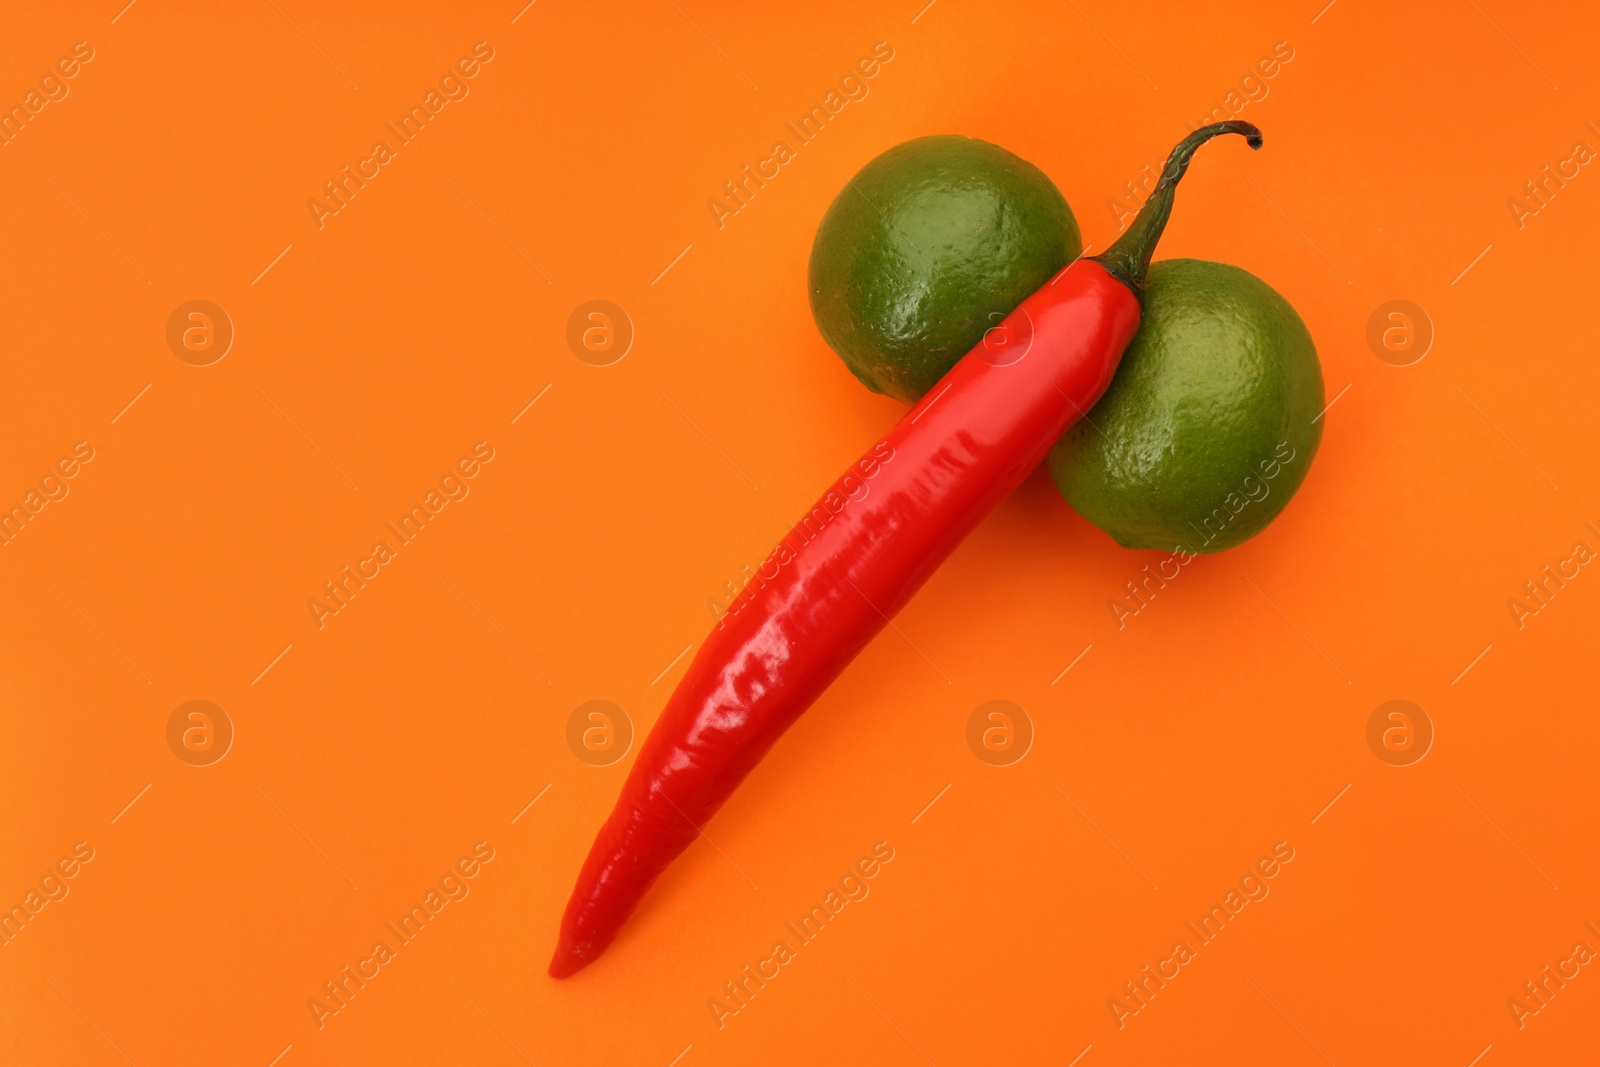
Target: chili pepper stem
1128, 258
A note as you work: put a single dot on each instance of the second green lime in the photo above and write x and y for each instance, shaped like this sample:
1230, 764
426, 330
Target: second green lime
1211, 422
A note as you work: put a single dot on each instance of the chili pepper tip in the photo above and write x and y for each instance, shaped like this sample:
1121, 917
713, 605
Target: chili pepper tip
567, 961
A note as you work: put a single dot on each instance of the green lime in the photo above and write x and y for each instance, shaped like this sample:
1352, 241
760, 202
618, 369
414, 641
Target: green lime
1211, 422
932, 243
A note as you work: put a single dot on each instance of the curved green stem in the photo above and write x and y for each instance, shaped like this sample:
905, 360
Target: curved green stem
1129, 257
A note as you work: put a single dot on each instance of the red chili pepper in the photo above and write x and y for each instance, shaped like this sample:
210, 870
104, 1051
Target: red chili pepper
860, 553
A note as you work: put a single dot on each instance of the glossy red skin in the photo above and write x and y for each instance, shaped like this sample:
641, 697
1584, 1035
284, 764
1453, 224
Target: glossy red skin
837, 578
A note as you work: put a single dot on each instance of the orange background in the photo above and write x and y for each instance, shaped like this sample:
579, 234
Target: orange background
426, 715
